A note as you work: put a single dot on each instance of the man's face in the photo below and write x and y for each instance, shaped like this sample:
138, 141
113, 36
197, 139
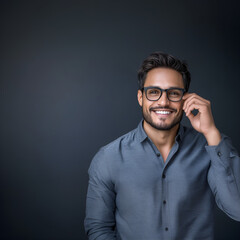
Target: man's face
162, 114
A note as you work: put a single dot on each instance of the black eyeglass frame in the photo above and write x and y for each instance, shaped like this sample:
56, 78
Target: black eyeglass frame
163, 90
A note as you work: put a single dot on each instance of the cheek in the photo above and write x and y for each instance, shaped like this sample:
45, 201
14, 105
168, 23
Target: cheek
145, 105
179, 106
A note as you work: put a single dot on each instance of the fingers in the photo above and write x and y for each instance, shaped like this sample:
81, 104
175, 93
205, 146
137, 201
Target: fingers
189, 97
203, 122
198, 106
193, 101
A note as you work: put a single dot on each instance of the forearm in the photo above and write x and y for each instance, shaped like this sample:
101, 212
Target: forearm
100, 221
99, 230
100, 205
224, 177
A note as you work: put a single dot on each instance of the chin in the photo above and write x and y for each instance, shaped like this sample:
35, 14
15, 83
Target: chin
164, 127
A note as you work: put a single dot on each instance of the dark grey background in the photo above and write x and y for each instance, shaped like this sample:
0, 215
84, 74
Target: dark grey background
68, 86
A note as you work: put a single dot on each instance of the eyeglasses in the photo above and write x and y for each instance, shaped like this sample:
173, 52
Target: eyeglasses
173, 94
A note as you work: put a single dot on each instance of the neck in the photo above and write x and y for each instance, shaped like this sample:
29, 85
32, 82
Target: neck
161, 138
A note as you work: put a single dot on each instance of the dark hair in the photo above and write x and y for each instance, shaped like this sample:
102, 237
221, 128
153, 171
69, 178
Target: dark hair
159, 59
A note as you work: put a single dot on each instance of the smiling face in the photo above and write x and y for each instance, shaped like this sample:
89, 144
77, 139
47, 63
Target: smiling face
162, 114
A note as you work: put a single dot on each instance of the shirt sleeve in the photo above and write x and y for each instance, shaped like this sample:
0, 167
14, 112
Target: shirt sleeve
100, 204
224, 177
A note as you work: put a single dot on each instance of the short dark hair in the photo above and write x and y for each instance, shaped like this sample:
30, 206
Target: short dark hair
159, 59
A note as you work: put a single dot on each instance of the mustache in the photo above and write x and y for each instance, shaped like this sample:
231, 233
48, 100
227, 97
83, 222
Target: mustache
165, 108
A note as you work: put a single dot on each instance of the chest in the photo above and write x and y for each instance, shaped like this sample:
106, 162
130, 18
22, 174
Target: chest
145, 171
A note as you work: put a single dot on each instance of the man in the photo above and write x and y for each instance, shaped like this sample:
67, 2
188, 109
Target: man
161, 180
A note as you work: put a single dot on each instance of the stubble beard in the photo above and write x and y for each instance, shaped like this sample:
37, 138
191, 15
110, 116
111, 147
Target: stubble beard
161, 126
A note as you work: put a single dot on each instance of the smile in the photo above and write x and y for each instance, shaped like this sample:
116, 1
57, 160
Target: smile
163, 112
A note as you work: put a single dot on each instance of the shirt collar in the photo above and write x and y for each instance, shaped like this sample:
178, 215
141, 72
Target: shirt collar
180, 133
141, 134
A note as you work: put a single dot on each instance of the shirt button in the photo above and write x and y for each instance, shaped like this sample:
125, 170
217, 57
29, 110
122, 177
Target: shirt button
164, 202
219, 154
158, 154
163, 176
166, 229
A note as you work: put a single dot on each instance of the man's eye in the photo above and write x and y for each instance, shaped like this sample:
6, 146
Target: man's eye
153, 92
174, 93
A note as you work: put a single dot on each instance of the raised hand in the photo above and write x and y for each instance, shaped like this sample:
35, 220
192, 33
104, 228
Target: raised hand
203, 122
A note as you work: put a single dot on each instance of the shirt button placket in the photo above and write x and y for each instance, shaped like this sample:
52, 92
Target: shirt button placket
164, 209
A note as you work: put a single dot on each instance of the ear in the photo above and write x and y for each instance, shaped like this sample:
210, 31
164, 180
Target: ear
140, 97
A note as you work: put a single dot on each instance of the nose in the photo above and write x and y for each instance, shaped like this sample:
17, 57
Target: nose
163, 100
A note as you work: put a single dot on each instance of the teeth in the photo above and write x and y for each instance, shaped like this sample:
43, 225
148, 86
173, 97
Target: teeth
162, 112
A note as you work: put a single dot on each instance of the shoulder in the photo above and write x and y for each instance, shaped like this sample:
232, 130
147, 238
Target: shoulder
124, 140
112, 151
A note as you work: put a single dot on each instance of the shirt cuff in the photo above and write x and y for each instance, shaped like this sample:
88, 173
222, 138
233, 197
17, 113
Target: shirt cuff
221, 152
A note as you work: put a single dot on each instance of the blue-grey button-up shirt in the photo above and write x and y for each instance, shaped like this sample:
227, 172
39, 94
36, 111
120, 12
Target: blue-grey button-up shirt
134, 195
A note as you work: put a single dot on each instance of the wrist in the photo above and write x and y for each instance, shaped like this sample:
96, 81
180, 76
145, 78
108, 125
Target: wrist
213, 137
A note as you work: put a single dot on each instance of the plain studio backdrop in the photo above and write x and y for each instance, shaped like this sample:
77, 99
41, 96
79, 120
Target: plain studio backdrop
69, 85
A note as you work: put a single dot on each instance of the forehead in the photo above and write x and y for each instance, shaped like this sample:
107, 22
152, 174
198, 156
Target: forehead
164, 78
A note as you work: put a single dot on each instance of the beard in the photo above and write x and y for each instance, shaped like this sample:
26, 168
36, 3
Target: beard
161, 126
